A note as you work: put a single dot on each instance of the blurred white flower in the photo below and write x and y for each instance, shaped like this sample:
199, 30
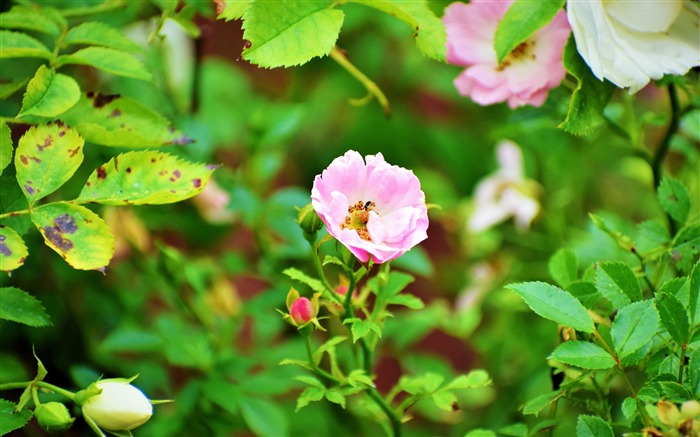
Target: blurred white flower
505, 193
631, 42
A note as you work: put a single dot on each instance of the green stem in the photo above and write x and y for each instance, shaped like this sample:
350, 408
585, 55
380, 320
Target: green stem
331, 294
684, 347
391, 414
317, 370
372, 88
14, 213
646, 420
41, 384
644, 271
662, 150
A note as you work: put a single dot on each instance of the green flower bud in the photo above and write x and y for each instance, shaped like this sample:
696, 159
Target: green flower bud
309, 221
118, 407
53, 416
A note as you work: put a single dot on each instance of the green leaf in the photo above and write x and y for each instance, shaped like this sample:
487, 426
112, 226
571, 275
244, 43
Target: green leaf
674, 199
336, 396
145, 177
264, 417
19, 306
79, 235
480, 433
233, 9
593, 426
694, 293
407, 300
361, 328
555, 304
286, 33
130, 340
109, 60
310, 394
523, 18
13, 251
49, 94
686, 246
694, 372
563, 266
474, 379
11, 87
585, 292
675, 392
111, 120
21, 45
583, 354
445, 400
617, 283
302, 277
6, 148
11, 420
588, 99
99, 34
25, 18
651, 235
46, 157
430, 35
673, 317
539, 403
634, 327
395, 283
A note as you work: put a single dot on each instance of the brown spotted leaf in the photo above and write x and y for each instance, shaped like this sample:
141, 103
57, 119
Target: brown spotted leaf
13, 251
46, 157
79, 235
145, 177
111, 120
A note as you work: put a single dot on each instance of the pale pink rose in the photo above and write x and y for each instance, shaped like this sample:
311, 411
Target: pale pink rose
526, 74
375, 209
505, 193
212, 204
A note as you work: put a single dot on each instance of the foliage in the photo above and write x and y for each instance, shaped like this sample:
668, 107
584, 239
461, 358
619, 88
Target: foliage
172, 146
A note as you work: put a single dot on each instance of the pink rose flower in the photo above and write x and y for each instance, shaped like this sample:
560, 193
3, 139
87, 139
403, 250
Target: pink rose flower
375, 209
526, 74
302, 311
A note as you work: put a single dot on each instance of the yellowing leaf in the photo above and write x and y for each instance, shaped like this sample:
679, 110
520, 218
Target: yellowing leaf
13, 251
46, 157
5, 146
49, 94
79, 235
145, 177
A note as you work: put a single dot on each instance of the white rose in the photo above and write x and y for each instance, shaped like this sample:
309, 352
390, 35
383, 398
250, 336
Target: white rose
631, 42
119, 407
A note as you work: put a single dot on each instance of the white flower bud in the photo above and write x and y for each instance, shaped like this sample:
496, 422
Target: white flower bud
119, 407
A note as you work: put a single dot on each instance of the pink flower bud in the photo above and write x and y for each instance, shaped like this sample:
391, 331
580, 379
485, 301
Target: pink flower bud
302, 311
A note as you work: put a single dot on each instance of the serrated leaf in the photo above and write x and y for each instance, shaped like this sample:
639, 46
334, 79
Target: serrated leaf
592, 426
361, 328
585, 292
563, 266
99, 34
617, 283
111, 120
536, 405
523, 18
11, 420
651, 235
407, 300
310, 394
287, 33
11, 87
25, 18
232, 9
588, 99
555, 304
675, 392
49, 94
694, 293
674, 199
46, 157
673, 317
686, 247
21, 45
79, 235
429, 30
634, 327
145, 178
694, 372
395, 283
302, 277
21, 307
6, 148
474, 379
109, 60
336, 396
583, 354
310, 380
13, 251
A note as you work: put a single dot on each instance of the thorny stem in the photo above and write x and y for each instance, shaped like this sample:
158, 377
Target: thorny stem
372, 88
391, 414
665, 144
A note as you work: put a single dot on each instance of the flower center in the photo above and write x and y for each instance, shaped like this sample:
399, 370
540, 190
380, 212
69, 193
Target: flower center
520, 53
357, 218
